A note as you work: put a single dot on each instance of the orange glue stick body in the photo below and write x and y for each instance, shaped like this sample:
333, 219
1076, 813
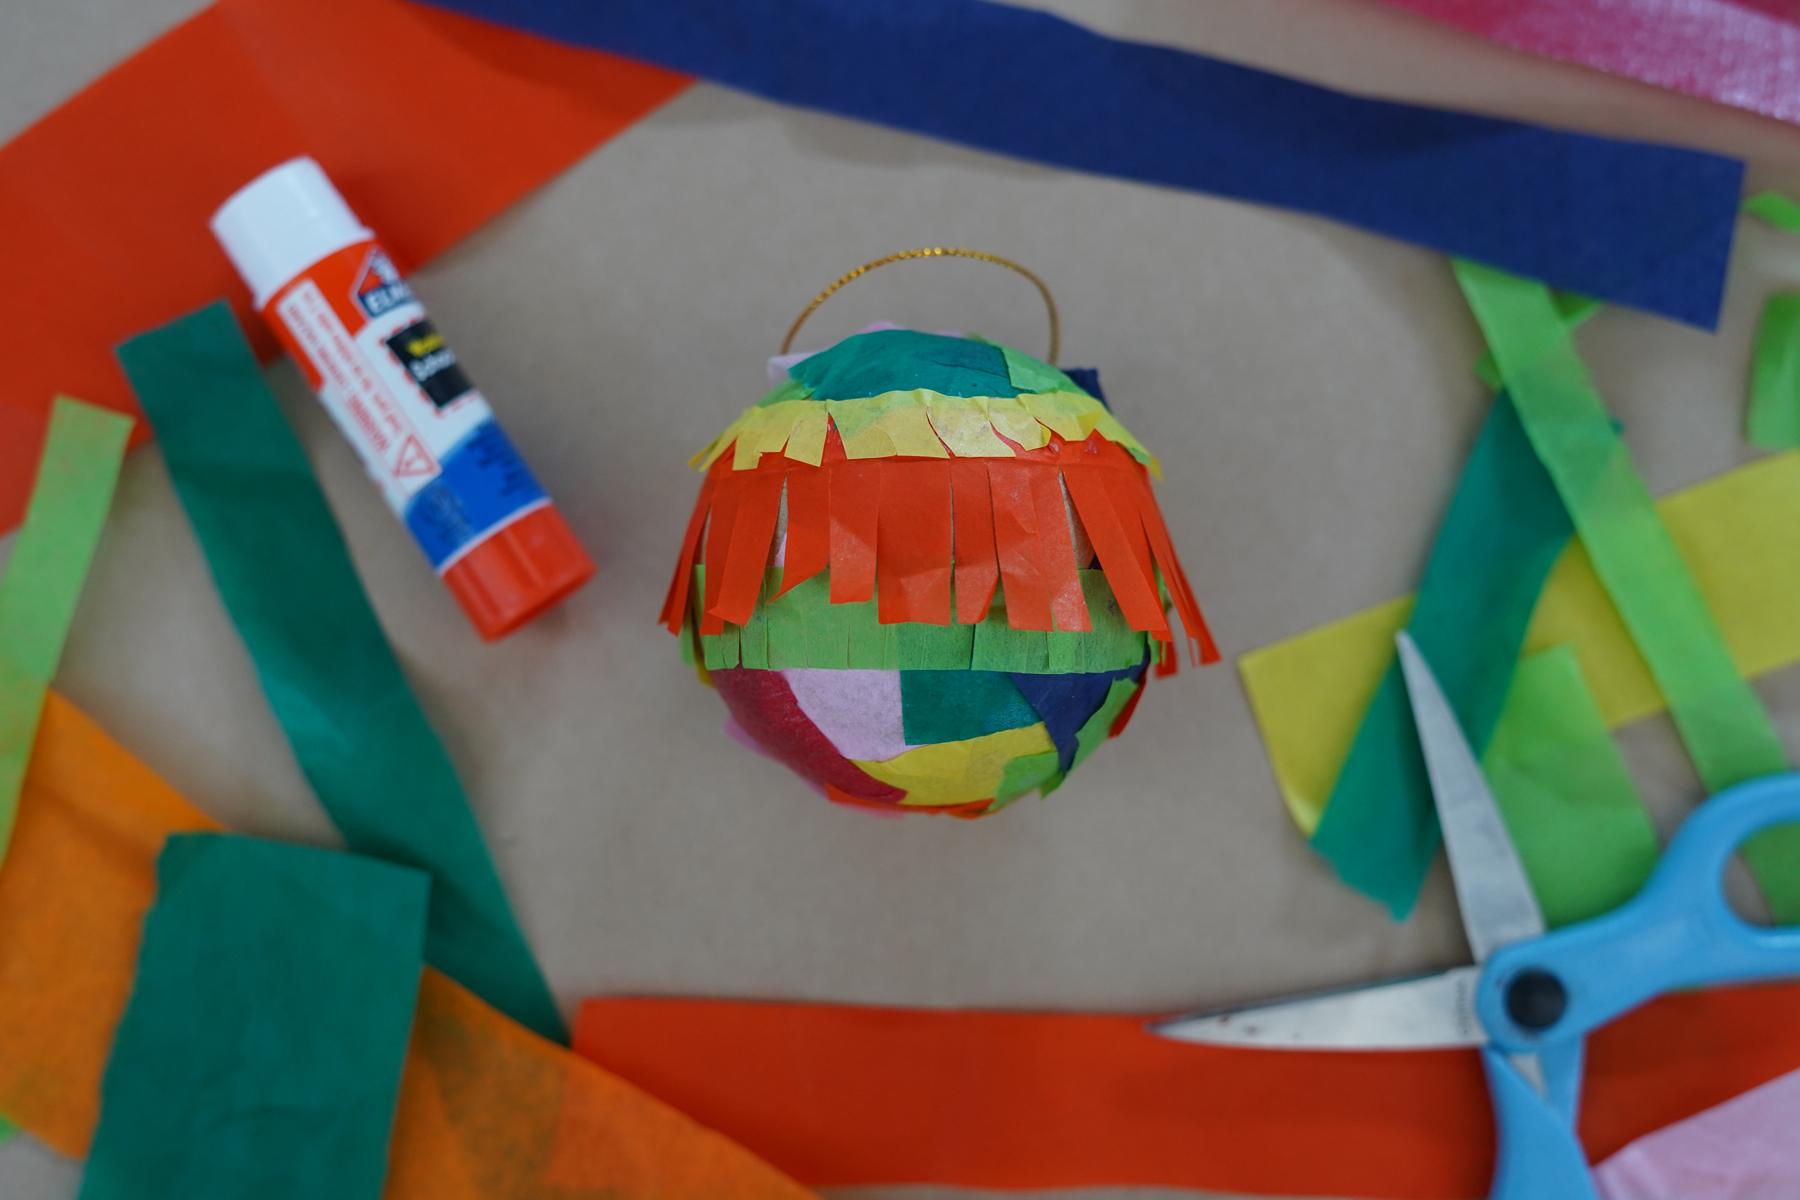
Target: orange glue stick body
394, 388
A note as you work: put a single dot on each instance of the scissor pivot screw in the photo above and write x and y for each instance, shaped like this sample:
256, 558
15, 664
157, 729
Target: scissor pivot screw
1536, 1000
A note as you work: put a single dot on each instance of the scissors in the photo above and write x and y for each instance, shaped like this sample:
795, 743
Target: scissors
1532, 997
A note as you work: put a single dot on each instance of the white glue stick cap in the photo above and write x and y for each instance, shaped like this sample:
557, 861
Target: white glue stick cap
281, 223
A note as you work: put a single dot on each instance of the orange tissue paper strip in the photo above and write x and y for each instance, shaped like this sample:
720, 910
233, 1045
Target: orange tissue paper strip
1025, 563
752, 531
429, 122
808, 532
853, 493
487, 1108
1068, 606
1134, 588
977, 569
845, 1096
912, 542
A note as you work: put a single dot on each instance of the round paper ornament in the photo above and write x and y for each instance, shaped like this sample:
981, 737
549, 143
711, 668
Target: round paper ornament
927, 572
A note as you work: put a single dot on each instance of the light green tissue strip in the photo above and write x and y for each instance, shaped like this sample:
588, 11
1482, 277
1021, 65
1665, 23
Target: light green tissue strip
803, 629
1772, 420
80, 464
1024, 775
1574, 814
1575, 310
1030, 375
74, 488
1776, 209
1727, 730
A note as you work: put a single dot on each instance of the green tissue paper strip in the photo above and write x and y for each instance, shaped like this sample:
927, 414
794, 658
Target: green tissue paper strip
83, 448
1727, 730
954, 706
904, 360
1502, 533
804, 629
1773, 418
261, 1051
1025, 775
1776, 209
1575, 816
1575, 310
286, 578
1029, 375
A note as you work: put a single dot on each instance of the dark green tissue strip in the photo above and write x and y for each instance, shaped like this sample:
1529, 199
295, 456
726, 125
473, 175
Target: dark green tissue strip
286, 578
261, 1051
953, 706
1505, 527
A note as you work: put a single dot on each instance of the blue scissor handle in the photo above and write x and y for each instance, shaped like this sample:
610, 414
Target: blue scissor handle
1678, 932
1538, 1156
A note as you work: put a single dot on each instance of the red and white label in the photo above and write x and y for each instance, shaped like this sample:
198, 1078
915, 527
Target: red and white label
323, 317
413, 460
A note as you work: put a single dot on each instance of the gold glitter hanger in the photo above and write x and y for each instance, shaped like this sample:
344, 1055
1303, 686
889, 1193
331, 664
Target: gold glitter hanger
936, 252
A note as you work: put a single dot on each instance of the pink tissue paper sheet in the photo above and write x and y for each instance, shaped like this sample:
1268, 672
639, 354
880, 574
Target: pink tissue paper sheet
858, 711
1745, 53
1747, 1148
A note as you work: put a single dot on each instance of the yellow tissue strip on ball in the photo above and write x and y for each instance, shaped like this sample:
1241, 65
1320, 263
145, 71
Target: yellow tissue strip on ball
959, 772
1737, 533
918, 424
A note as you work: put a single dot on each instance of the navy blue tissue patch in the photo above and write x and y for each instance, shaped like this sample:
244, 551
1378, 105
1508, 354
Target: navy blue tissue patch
1640, 224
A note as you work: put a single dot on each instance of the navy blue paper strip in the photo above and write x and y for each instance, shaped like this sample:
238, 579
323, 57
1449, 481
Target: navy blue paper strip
1639, 224
1064, 703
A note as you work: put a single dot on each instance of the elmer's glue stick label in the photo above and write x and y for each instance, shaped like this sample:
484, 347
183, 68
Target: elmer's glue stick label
394, 387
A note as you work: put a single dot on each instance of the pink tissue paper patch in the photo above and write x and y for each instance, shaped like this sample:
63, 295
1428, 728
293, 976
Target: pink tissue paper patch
857, 711
1744, 53
1744, 1149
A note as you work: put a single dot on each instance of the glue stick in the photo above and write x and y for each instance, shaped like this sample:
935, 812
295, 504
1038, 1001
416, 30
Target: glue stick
393, 386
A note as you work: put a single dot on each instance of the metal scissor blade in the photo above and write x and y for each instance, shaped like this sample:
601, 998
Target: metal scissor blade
1498, 907
1431, 1011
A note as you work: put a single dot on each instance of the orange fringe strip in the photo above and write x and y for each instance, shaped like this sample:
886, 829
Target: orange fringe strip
897, 530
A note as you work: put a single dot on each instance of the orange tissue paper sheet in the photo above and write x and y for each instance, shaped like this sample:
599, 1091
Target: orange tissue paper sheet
842, 1096
430, 124
486, 1108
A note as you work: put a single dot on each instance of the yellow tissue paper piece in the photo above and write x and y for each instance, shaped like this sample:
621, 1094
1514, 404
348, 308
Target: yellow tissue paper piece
767, 432
1011, 419
917, 424
807, 441
906, 419
1738, 535
969, 432
1057, 412
958, 772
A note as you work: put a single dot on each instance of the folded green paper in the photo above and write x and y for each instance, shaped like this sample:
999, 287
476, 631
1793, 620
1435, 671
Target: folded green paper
260, 1054
83, 450
1723, 723
1503, 531
1580, 827
286, 578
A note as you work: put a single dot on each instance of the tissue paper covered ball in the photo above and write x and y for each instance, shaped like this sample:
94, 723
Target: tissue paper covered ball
927, 573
